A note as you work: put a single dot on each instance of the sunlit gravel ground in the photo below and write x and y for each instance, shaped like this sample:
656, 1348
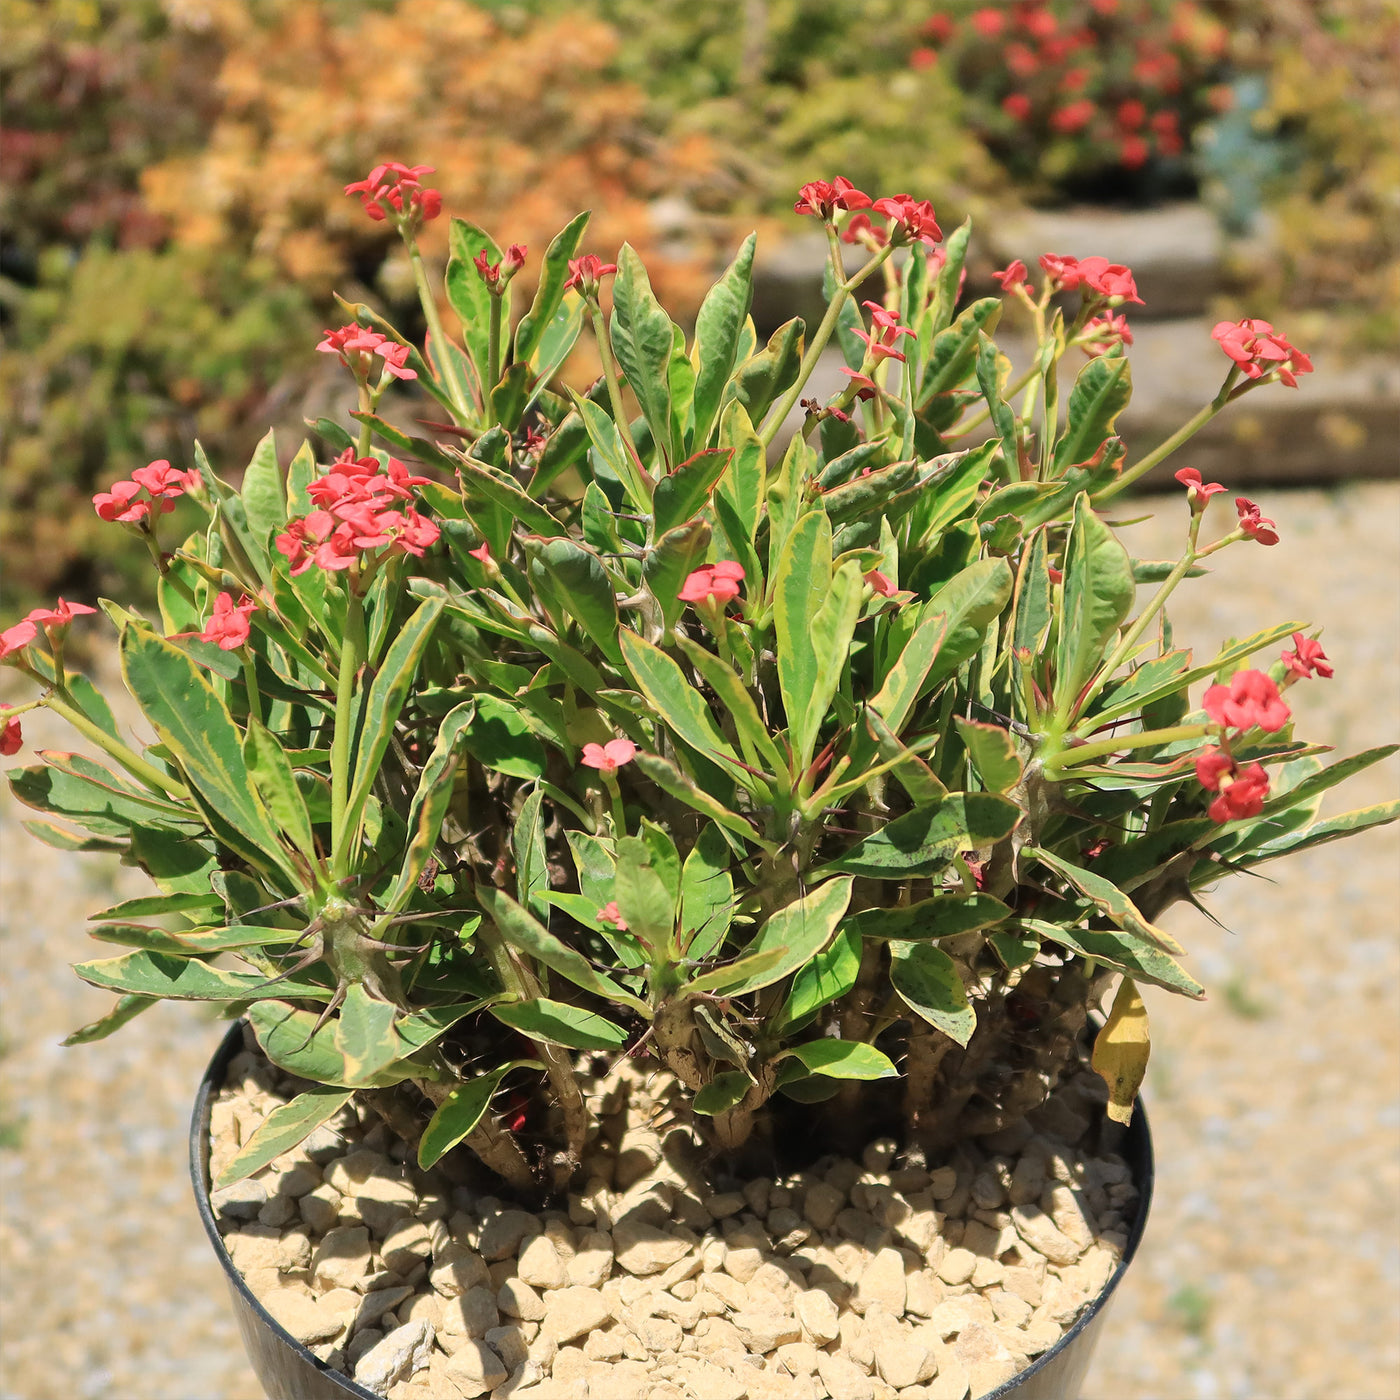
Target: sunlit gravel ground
1271, 1268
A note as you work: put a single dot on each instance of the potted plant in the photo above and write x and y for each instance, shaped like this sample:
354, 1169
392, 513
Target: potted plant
664, 881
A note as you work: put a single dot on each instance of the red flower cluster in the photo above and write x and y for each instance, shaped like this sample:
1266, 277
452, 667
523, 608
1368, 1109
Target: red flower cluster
882, 345
586, 273
11, 736
910, 220
355, 345
19, 636
491, 272
392, 185
360, 507
822, 198
1242, 790
161, 482
228, 626
1306, 660
719, 582
1250, 700
1258, 349
1256, 526
1013, 275
1111, 280
1102, 333
611, 914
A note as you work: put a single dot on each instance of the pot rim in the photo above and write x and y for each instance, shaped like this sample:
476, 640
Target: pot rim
1136, 1147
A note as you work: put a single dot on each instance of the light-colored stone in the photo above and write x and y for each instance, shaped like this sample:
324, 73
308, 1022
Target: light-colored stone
989, 1361
957, 1266
821, 1204
1068, 1210
902, 1361
1043, 1235
817, 1315
406, 1245
1024, 1283
540, 1264
955, 1315
240, 1201
950, 1382
516, 1298
320, 1208
943, 1182
375, 1304
502, 1235
706, 1381
765, 1331
456, 1269
724, 1204
305, 1317
843, 1379
643, 1248
475, 1369
574, 1312
1009, 1309
402, 1352
472, 1314
342, 1259
798, 1358
508, 1342
882, 1282
604, 1344
592, 1262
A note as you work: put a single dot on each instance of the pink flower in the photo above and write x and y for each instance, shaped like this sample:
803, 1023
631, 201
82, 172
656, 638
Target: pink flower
1133, 152
354, 344
11, 736
1111, 280
859, 229
391, 185
1062, 270
1211, 764
59, 616
881, 583
1013, 275
492, 274
16, 638
868, 387
609, 757
120, 503
1241, 790
161, 479
988, 22
1130, 114
1073, 116
823, 198
1102, 333
911, 220
1198, 492
1256, 526
1251, 699
1016, 105
610, 914
1021, 60
718, 582
1257, 349
228, 627
586, 273
887, 323
484, 553
922, 58
1307, 659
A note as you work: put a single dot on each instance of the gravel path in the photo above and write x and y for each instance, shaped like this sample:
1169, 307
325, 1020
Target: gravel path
1270, 1268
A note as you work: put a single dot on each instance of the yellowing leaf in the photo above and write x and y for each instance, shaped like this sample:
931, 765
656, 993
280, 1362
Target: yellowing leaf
1121, 1050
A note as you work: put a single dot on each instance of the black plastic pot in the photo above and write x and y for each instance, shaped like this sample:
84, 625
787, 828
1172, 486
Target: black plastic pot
288, 1371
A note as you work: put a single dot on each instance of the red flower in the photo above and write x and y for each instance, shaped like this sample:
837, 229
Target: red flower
988, 23
1102, 333
586, 273
1251, 699
120, 503
609, 757
484, 553
1020, 59
1062, 270
390, 185
1242, 790
1256, 526
719, 582
1111, 280
16, 638
922, 58
859, 229
882, 584
868, 387
937, 27
1011, 276
1257, 349
1131, 114
822, 198
910, 219
1074, 80
161, 479
1073, 117
491, 273
1198, 492
1017, 106
1039, 23
59, 616
1133, 152
887, 323
228, 626
354, 344
1308, 658
11, 736
1211, 765
610, 914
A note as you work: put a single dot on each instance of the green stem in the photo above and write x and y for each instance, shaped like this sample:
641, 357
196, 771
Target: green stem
135, 765
1101, 748
778, 416
493, 349
351, 657
250, 684
446, 368
985, 412
362, 447
641, 484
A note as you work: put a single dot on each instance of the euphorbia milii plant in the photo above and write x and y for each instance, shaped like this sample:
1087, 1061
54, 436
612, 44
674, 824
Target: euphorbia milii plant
825, 751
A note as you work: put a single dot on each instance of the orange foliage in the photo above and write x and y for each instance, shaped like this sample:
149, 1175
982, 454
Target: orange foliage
521, 122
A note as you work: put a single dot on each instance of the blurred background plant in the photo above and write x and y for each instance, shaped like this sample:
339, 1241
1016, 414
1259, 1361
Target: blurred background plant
173, 224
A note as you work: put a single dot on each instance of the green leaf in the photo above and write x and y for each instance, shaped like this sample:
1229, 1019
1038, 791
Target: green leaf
742, 485
195, 725
501, 739
481, 482
158, 906
276, 784
707, 894
467, 292
73, 786
1332, 829
894, 701
647, 891
1100, 394
993, 753
927, 978
522, 930
1032, 605
676, 702
560, 1024
670, 779
460, 1112
676, 554
742, 969
801, 930
430, 804
643, 336
364, 1034
950, 274
386, 698
922, 784
833, 627
801, 584
953, 354
1329, 777
719, 327
163, 975
924, 842
943, 916
761, 378
292, 1123
829, 975
993, 371
842, 1059
683, 491
264, 495
722, 1093
582, 586
971, 600
1107, 898
1123, 952
759, 747
549, 293
127, 1009
1098, 595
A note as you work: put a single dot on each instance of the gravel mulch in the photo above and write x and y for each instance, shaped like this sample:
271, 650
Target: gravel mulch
1270, 1266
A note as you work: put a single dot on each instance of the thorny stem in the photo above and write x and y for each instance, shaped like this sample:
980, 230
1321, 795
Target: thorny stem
1100, 748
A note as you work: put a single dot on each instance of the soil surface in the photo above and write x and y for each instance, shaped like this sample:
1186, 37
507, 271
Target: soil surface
1270, 1266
